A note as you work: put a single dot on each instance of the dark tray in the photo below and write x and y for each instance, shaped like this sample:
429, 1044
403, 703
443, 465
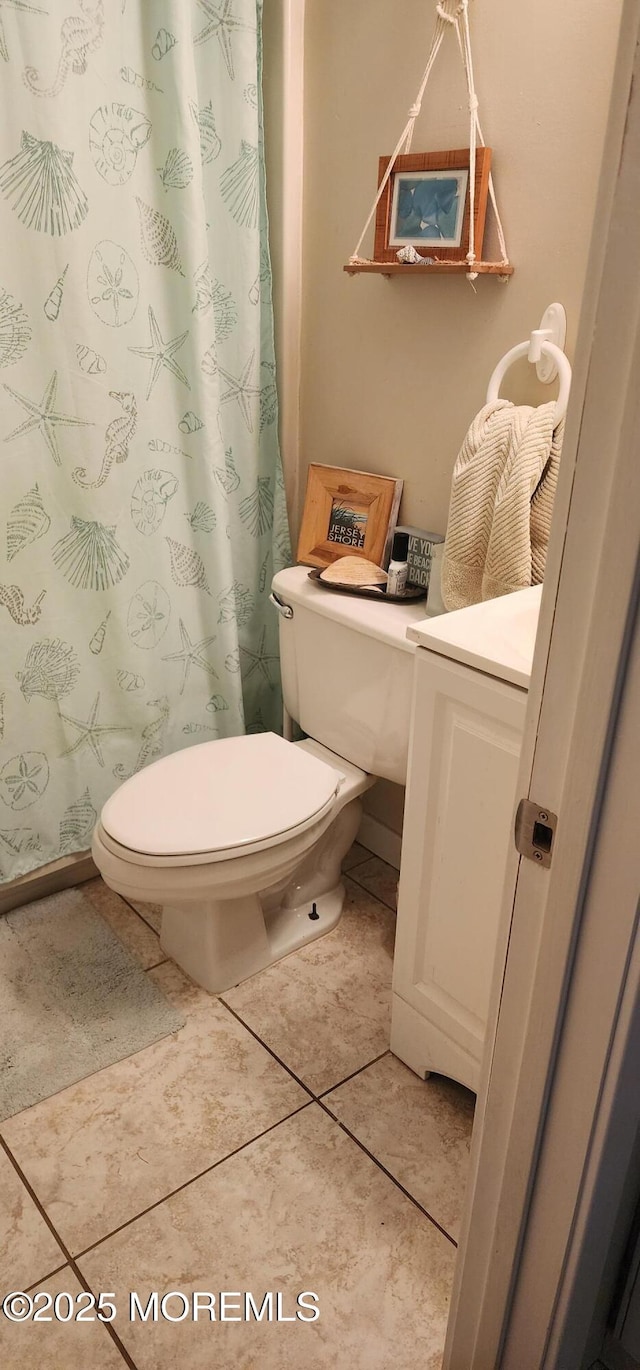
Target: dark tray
365, 591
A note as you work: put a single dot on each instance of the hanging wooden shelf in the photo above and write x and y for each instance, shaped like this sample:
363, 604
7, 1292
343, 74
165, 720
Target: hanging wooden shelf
473, 162
500, 269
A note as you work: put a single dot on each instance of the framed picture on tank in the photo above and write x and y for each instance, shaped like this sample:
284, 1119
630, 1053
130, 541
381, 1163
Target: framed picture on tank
347, 513
426, 204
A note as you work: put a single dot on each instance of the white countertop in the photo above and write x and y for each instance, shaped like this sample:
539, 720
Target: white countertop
497, 636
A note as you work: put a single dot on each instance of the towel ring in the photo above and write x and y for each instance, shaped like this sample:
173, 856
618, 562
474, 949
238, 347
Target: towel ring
522, 350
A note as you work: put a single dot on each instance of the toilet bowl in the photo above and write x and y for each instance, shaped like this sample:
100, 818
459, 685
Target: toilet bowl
241, 840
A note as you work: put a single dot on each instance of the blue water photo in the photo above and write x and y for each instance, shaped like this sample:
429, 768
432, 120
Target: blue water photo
428, 207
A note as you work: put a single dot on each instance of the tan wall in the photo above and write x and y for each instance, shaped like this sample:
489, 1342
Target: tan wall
394, 370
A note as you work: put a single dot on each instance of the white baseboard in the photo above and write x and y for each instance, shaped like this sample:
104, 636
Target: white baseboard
382, 841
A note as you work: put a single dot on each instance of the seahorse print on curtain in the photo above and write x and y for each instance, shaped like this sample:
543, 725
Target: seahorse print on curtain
80, 34
143, 500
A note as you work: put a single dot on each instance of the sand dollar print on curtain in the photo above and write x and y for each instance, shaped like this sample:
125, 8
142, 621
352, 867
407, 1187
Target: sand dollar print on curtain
143, 505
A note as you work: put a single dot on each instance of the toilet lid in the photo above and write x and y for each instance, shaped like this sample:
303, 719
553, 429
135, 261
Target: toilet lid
226, 795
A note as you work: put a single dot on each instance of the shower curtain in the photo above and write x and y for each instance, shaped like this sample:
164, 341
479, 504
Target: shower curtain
142, 493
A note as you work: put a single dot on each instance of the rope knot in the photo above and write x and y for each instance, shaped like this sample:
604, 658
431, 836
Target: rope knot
453, 14
448, 18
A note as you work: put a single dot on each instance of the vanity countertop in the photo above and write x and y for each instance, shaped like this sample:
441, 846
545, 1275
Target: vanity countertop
497, 636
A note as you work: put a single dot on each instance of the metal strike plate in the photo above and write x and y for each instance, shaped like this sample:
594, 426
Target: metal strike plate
535, 832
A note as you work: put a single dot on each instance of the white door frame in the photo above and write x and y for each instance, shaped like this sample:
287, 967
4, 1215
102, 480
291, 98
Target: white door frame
595, 1098
574, 697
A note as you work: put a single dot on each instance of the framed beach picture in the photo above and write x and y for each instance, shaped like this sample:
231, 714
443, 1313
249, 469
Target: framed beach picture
426, 205
347, 513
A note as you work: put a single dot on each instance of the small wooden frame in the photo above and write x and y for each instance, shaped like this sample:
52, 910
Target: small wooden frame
347, 513
440, 211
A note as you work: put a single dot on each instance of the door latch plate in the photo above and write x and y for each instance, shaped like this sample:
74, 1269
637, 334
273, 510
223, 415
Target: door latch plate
535, 831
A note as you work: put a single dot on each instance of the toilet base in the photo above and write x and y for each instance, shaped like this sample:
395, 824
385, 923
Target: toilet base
224, 941
219, 942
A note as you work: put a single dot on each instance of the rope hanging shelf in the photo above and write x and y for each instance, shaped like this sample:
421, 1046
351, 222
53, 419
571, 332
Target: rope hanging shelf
450, 14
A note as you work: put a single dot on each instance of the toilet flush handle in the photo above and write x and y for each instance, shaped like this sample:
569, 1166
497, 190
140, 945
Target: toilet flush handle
284, 609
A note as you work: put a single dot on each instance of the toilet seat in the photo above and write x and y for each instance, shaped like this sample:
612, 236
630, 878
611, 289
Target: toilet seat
221, 800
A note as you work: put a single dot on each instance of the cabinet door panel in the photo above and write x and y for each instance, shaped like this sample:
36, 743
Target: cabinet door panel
457, 845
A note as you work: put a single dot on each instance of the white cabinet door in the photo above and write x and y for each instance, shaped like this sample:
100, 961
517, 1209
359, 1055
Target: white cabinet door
457, 849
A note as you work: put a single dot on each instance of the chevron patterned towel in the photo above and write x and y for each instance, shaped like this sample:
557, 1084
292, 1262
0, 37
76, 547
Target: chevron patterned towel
502, 493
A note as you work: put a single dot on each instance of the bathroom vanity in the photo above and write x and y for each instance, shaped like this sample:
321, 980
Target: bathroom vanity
472, 675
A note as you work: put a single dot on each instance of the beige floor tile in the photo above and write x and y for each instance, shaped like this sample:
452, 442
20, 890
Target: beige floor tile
325, 1010
152, 913
107, 1147
58, 1345
380, 879
27, 1248
139, 939
300, 1209
355, 855
419, 1129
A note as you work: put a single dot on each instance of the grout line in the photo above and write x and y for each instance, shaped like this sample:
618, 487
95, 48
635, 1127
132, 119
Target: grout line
156, 964
288, 1069
360, 862
37, 1284
32, 1194
137, 913
187, 1183
128, 1360
371, 892
323, 1094
388, 1174
69, 1259
318, 1098
270, 1050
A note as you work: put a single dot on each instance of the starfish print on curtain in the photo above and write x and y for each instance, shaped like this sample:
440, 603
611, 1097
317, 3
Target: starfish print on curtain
192, 654
44, 417
161, 353
221, 22
90, 731
260, 660
240, 390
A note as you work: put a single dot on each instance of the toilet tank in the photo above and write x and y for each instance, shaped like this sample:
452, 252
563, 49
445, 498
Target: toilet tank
347, 671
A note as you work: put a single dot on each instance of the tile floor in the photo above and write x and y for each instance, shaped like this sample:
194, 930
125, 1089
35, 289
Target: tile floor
272, 1145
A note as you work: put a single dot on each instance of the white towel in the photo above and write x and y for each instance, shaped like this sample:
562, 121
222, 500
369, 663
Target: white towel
502, 493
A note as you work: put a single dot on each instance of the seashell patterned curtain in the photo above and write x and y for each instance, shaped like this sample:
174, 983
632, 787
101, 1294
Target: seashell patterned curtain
142, 495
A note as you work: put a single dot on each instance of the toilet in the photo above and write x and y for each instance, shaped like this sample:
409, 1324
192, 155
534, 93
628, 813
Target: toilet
241, 840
